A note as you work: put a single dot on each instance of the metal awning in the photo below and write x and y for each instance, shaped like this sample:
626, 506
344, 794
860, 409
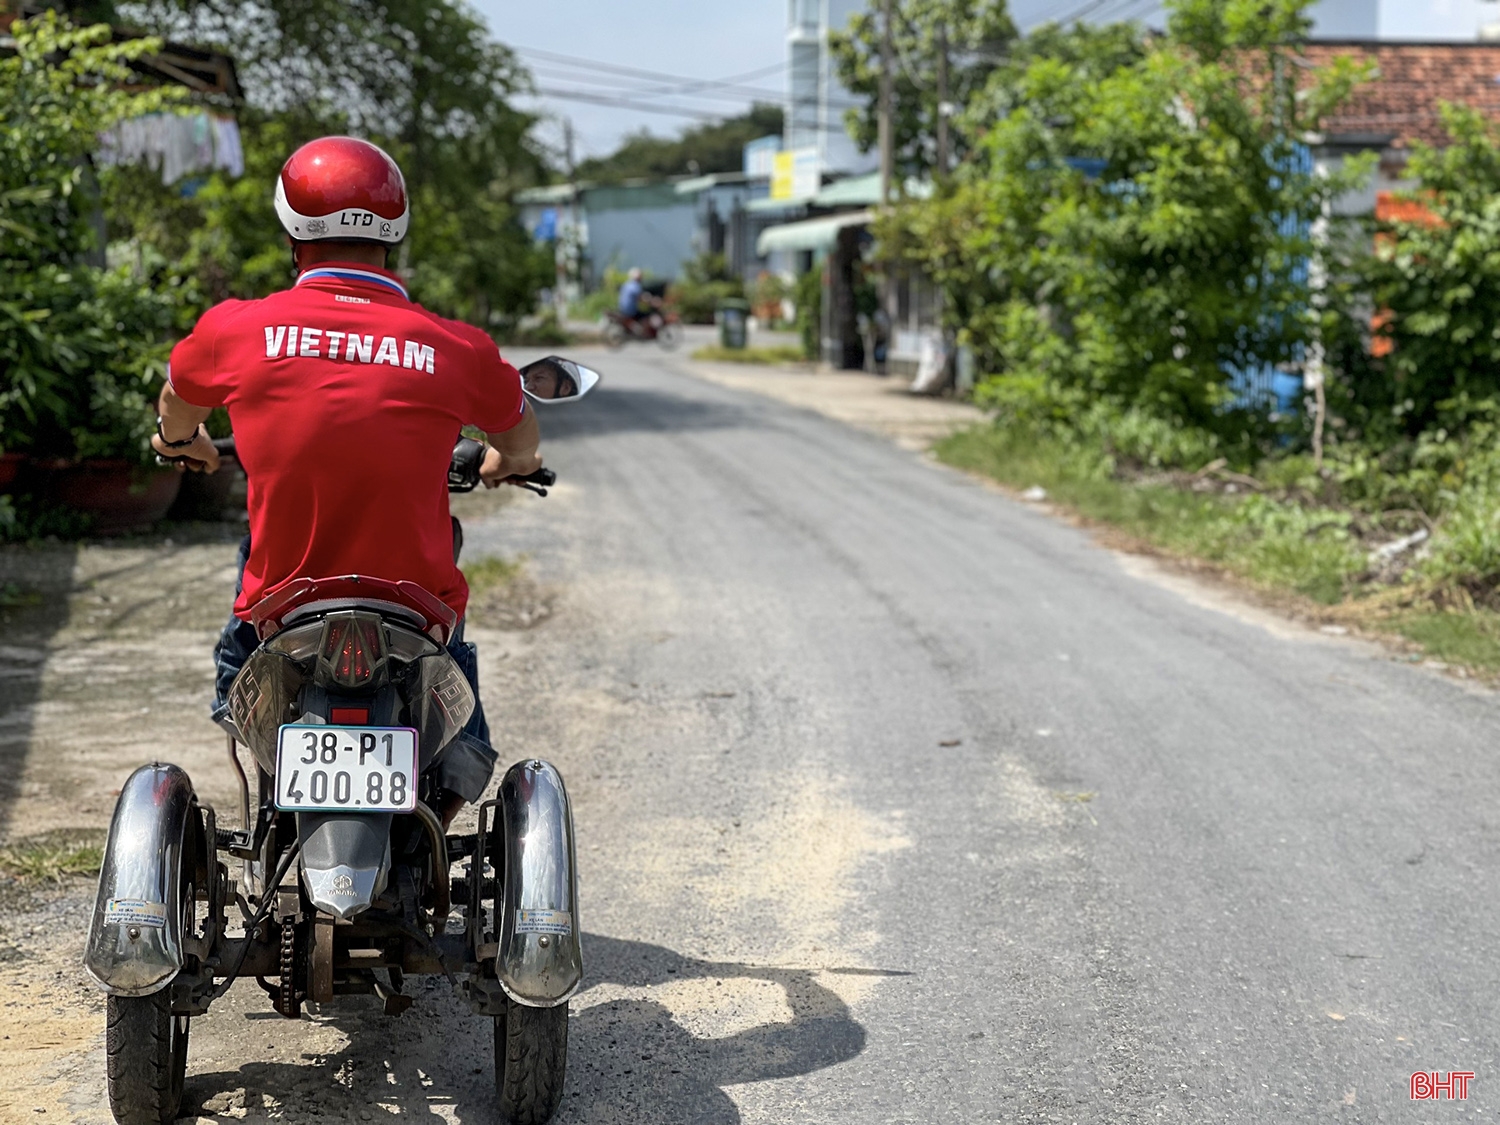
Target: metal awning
809, 234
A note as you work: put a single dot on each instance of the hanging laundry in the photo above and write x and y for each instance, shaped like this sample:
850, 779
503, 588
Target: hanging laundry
175, 144
228, 155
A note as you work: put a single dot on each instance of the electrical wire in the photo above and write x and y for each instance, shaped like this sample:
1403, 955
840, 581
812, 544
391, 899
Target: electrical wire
624, 86
613, 100
733, 82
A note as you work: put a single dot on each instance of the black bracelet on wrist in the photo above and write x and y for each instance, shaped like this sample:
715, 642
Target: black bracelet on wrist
183, 444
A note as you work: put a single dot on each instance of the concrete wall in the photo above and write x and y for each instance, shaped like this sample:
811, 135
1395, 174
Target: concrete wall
650, 226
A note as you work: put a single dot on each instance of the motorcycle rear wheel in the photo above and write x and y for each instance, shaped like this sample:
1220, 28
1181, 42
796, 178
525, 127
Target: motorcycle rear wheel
146, 1047
669, 336
531, 1060
614, 335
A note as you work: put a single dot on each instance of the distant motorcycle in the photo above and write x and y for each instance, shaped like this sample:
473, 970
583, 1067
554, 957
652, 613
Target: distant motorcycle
664, 326
346, 889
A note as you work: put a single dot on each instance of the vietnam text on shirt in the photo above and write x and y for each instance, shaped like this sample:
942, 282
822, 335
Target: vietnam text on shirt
287, 341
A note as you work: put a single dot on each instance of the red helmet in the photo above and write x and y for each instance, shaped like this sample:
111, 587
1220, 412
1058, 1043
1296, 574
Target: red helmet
344, 188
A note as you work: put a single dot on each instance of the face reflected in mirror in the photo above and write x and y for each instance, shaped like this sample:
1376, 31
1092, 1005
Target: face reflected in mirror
550, 378
555, 379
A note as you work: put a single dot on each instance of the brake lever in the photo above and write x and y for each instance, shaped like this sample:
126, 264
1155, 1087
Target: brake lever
529, 487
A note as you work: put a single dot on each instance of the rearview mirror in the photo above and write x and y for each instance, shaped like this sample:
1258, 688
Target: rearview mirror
556, 380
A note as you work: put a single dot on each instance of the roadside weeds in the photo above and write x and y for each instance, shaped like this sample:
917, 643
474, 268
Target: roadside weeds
1302, 563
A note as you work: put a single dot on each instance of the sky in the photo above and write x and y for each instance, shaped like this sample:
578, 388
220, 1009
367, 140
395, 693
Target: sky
697, 39
715, 40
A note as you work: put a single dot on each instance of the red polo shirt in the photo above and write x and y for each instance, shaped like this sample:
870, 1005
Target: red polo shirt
346, 399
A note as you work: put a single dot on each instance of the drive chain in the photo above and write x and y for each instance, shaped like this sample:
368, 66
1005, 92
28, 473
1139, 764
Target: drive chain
288, 996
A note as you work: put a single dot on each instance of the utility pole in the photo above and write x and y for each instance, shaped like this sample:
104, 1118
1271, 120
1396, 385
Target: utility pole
887, 127
887, 168
942, 102
569, 250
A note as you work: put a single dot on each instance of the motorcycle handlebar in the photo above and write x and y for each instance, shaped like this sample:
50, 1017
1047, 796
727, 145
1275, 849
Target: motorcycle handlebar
463, 470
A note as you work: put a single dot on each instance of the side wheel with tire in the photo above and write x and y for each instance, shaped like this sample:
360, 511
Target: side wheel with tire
147, 1050
614, 335
531, 1060
669, 336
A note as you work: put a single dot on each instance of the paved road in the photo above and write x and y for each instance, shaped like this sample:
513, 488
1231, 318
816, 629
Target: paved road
901, 802
1071, 847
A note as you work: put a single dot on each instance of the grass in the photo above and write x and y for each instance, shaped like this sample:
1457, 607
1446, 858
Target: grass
52, 856
491, 572
1469, 638
1272, 544
780, 353
1276, 546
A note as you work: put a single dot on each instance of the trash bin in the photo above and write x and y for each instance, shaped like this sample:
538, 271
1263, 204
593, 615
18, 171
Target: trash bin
734, 322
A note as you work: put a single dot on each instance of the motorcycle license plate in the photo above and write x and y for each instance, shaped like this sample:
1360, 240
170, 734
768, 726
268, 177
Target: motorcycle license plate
346, 769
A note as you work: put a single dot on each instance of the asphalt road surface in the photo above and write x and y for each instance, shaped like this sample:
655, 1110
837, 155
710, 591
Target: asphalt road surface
899, 801
1065, 845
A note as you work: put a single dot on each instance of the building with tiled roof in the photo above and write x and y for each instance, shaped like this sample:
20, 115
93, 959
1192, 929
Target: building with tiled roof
1400, 104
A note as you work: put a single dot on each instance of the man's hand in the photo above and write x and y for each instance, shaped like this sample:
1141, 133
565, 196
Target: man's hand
496, 466
201, 456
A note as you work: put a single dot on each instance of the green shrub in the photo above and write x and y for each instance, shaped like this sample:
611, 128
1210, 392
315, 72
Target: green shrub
705, 282
1437, 279
82, 350
1133, 224
808, 296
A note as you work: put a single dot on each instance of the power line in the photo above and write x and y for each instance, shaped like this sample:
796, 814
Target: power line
696, 90
733, 82
618, 102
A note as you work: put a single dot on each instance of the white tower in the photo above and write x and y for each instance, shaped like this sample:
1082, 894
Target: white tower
815, 101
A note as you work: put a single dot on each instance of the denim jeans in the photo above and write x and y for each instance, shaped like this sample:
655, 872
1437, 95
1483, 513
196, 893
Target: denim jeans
469, 761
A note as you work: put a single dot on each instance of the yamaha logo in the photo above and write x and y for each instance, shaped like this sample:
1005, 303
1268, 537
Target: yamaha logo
342, 885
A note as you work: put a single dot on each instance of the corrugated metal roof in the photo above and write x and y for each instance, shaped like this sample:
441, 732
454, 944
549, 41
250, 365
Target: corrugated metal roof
810, 234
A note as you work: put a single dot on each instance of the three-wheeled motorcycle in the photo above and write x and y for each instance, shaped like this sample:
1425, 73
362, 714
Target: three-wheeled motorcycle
346, 884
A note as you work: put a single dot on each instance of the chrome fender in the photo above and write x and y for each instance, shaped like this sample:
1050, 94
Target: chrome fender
135, 938
540, 962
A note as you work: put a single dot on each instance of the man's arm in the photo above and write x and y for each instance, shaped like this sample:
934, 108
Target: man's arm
513, 453
179, 420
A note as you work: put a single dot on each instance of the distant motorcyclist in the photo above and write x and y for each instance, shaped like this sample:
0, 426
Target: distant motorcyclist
632, 296
346, 397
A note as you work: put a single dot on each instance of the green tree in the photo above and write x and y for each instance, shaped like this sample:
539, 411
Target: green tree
1435, 275
82, 350
423, 79
970, 38
717, 146
1138, 224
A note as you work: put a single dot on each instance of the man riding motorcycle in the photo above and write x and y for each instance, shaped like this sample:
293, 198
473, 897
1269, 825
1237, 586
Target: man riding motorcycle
346, 397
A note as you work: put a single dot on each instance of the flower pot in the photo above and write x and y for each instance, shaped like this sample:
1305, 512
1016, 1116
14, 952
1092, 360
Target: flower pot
119, 495
10, 465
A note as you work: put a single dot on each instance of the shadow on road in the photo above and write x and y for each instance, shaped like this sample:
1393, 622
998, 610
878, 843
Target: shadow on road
640, 410
629, 1061
34, 586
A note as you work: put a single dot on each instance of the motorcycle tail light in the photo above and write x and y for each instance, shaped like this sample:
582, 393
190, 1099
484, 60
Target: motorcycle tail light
300, 642
353, 650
